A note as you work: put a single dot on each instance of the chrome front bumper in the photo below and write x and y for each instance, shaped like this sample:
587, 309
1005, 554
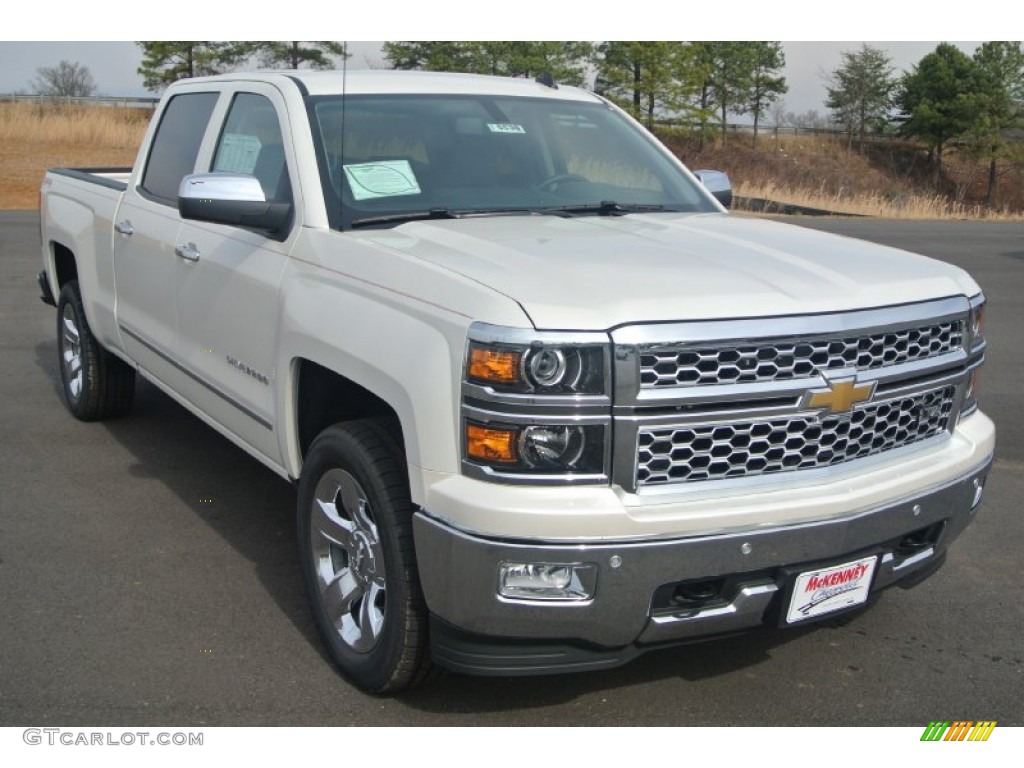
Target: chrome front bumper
477, 631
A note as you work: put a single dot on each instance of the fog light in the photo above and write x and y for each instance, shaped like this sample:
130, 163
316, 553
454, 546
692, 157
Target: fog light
547, 581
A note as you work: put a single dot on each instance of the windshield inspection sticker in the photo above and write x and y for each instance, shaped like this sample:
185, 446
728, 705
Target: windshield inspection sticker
505, 128
385, 178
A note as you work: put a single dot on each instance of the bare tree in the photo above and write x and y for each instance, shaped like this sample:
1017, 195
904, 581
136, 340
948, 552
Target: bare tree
778, 114
69, 78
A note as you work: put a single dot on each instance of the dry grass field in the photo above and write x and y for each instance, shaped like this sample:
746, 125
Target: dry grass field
34, 138
888, 180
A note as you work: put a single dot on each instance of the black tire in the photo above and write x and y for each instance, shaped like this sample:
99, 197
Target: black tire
97, 385
357, 556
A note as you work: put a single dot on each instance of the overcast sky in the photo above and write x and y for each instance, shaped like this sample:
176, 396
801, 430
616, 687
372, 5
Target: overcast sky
114, 64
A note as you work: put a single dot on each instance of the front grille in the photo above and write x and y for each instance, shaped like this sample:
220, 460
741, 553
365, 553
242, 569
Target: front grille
679, 365
749, 448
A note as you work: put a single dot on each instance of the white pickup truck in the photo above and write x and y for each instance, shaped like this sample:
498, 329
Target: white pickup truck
547, 404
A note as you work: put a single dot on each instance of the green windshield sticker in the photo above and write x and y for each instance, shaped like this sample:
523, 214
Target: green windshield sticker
505, 128
384, 178
238, 153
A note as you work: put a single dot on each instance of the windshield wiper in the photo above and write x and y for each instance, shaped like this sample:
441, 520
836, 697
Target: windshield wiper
608, 208
448, 213
398, 218
515, 212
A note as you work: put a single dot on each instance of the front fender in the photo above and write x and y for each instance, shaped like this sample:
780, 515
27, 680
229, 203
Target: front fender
392, 324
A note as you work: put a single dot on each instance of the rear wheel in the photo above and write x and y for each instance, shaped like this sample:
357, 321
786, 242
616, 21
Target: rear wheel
356, 548
97, 385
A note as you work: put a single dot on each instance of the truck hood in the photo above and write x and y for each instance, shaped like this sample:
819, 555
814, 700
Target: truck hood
595, 273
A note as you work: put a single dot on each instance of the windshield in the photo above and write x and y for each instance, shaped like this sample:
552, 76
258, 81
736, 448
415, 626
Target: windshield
391, 158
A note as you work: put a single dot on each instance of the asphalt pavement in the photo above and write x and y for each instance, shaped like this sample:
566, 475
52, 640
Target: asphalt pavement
148, 572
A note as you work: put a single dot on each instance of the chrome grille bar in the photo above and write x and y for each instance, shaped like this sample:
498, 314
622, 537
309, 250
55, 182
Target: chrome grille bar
745, 449
689, 365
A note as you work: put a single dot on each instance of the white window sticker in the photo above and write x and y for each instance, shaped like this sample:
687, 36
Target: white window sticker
238, 153
505, 128
384, 178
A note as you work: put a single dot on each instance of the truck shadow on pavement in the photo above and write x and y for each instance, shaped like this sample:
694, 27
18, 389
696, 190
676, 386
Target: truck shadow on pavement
252, 509
254, 514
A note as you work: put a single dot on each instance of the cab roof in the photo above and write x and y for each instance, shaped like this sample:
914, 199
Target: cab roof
382, 81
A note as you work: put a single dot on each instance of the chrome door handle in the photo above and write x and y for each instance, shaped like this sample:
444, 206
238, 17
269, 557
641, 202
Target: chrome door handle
124, 227
187, 252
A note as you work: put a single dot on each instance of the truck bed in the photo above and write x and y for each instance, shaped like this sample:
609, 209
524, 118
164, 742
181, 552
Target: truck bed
115, 178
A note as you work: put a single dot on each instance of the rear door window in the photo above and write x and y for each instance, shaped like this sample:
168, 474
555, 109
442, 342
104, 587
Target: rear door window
176, 144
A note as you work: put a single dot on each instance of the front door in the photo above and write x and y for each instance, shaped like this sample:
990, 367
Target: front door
229, 309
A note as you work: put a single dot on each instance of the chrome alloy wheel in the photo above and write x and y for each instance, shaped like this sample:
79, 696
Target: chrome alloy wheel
71, 352
348, 560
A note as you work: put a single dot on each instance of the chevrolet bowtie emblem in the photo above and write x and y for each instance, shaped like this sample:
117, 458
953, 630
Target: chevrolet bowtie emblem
840, 396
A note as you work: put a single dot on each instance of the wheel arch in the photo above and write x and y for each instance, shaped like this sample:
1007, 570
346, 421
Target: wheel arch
65, 267
318, 396
324, 397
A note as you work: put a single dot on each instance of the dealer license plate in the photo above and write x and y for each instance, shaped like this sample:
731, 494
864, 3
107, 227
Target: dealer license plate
825, 590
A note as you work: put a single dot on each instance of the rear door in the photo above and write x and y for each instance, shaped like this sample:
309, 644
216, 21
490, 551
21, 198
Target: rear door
146, 235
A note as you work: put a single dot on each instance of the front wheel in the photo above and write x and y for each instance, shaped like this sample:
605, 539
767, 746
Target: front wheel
357, 556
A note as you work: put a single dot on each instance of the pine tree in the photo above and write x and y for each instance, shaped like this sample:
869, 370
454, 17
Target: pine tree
766, 82
1001, 99
861, 91
940, 99
294, 54
164, 62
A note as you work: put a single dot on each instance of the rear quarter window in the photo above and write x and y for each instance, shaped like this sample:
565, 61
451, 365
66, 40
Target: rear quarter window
176, 144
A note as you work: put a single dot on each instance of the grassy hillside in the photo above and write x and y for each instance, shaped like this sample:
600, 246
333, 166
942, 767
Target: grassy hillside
889, 178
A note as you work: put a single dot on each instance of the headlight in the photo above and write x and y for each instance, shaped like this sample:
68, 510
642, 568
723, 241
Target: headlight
557, 448
977, 323
537, 368
536, 406
976, 354
536, 449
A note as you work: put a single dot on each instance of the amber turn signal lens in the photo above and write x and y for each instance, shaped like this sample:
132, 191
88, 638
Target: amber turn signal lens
496, 445
493, 366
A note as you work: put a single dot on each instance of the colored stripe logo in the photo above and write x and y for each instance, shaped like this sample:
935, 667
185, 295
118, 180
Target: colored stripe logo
958, 730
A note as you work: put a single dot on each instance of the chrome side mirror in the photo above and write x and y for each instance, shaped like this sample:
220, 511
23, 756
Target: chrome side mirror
718, 184
235, 199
